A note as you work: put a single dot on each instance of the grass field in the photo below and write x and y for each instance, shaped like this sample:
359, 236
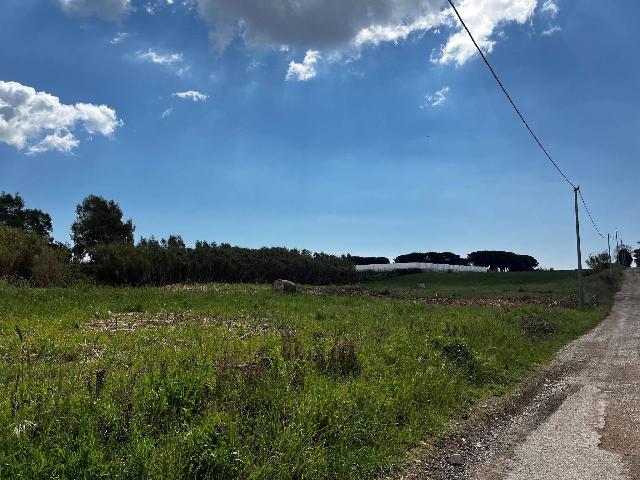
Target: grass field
553, 285
234, 381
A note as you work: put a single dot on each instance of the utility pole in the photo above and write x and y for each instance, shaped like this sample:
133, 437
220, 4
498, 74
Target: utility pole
610, 267
576, 190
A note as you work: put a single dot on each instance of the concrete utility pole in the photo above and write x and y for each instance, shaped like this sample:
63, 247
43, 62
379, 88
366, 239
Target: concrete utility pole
580, 282
610, 267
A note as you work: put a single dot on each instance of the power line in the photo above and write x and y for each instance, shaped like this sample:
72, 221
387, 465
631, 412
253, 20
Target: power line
589, 213
524, 121
495, 75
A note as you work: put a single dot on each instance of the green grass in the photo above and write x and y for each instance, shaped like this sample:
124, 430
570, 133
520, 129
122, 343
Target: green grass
552, 285
252, 384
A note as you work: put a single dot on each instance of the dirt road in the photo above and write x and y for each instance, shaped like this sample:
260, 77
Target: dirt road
579, 419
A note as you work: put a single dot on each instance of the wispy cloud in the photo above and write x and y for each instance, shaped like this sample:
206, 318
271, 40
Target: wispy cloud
167, 112
255, 65
154, 57
192, 95
119, 38
106, 9
436, 99
550, 7
551, 30
174, 61
306, 70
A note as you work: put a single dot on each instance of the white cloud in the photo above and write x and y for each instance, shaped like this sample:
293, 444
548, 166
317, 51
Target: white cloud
38, 122
436, 99
338, 27
192, 95
306, 70
174, 61
482, 17
150, 9
167, 112
377, 34
551, 30
550, 7
105, 9
159, 59
119, 38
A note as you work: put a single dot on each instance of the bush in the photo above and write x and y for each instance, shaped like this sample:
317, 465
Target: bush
27, 255
537, 327
48, 269
598, 262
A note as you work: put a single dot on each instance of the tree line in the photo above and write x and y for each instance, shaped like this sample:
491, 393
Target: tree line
492, 259
104, 250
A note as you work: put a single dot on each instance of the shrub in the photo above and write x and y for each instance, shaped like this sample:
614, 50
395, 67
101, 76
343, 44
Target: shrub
598, 261
209, 454
537, 327
48, 269
29, 256
462, 356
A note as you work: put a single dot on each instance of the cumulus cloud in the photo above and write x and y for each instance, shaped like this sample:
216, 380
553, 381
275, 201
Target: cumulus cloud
436, 99
346, 26
482, 17
37, 122
343, 28
304, 24
105, 9
306, 70
192, 95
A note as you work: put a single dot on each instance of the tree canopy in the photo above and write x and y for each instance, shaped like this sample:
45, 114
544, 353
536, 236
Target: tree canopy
99, 222
153, 262
13, 214
444, 258
598, 261
503, 261
624, 257
355, 260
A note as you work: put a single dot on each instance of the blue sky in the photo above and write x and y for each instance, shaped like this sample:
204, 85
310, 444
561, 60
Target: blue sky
390, 137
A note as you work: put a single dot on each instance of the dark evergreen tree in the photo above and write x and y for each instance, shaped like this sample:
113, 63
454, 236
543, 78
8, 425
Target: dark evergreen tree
13, 214
99, 222
624, 257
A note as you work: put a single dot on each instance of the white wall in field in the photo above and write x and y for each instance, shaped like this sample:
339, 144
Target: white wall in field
425, 267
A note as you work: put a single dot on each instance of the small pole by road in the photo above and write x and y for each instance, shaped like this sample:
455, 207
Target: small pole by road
610, 267
580, 281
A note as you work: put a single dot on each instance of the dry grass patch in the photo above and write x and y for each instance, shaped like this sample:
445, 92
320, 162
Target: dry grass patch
244, 326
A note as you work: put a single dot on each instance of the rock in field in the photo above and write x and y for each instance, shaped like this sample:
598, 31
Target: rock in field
284, 286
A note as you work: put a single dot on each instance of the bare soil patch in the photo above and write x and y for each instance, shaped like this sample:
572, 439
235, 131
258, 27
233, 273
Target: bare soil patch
355, 291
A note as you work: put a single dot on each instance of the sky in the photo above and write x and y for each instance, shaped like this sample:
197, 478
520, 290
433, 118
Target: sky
370, 128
